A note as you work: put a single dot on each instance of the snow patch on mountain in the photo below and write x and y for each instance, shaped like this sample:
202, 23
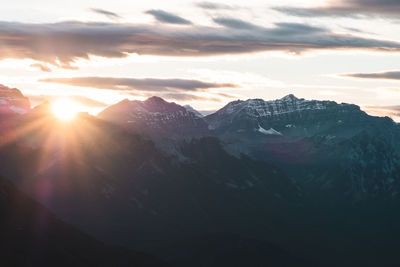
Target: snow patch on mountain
260, 108
271, 131
192, 110
18, 110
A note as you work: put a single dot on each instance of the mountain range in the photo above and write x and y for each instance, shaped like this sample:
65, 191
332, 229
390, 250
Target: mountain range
282, 183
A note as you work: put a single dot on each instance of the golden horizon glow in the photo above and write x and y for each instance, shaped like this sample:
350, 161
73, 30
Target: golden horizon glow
65, 109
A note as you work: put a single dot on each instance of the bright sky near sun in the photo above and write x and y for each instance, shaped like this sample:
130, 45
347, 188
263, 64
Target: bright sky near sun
205, 54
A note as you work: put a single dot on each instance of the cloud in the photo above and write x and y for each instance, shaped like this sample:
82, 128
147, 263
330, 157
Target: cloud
190, 97
108, 14
136, 84
166, 17
226, 95
41, 67
83, 100
381, 111
293, 29
61, 44
235, 23
214, 6
348, 8
387, 75
281, 29
391, 108
356, 30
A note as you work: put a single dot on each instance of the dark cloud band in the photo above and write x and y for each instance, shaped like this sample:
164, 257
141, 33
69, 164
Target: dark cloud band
348, 8
61, 44
214, 6
149, 84
106, 13
166, 17
388, 75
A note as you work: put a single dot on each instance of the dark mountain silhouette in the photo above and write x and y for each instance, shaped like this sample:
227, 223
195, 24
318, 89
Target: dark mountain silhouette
30, 235
227, 250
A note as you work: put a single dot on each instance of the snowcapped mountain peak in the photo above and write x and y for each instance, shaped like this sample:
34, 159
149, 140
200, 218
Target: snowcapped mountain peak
289, 97
152, 105
12, 101
261, 108
159, 105
155, 116
192, 110
255, 101
309, 116
155, 100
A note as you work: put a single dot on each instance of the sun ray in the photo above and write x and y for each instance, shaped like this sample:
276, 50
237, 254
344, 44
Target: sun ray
65, 109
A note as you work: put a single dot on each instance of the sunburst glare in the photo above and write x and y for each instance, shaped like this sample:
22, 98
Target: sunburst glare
65, 109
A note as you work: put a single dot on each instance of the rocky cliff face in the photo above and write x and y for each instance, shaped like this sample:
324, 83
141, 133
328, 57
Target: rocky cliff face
288, 116
12, 101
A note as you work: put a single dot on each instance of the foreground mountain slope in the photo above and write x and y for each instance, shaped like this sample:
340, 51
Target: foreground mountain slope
218, 250
32, 236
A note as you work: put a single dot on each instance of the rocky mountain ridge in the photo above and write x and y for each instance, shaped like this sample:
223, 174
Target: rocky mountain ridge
155, 117
12, 101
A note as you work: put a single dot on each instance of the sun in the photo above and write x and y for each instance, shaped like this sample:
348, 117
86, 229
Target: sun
65, 109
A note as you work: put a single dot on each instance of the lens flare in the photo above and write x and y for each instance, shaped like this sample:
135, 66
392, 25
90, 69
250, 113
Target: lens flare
65, 109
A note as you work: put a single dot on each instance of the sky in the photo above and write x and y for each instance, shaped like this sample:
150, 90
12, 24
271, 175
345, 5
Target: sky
203, 53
